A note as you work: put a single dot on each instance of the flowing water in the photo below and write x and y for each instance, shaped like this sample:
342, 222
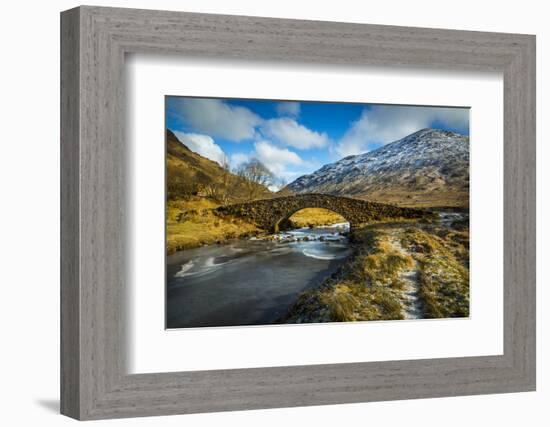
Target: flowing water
250, 282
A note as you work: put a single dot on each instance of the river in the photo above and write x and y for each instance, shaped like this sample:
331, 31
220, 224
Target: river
250, 282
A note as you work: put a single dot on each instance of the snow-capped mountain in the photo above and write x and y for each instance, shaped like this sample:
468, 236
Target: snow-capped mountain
427, 168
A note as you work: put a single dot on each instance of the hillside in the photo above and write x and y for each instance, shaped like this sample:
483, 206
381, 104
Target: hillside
195, 187
429, 168
190, 174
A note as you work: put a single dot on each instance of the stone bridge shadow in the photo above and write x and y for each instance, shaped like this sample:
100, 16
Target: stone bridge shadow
268, 214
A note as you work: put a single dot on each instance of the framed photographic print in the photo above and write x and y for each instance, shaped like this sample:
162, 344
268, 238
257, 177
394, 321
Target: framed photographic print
258, 194
262, 213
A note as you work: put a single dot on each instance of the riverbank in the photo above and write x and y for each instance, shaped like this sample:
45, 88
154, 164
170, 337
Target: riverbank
250, 281
396, 271
193, 223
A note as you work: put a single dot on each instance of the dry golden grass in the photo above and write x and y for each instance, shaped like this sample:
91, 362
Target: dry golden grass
406, 198
384, 266
188, 174
192, 223
444, 275
341, 302
367, 287
311, 217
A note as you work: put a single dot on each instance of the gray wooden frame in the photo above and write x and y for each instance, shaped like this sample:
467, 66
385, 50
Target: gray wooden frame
94, 41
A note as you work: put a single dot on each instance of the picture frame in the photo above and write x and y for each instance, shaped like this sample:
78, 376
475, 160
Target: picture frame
94, 380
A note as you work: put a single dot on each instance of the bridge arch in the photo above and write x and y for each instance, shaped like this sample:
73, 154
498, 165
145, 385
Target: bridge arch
268, 213
280, 224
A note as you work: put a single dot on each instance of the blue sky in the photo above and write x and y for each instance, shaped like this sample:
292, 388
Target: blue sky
296, 138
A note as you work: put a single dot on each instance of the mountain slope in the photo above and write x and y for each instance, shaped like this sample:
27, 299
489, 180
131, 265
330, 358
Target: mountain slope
427, 168
188, 173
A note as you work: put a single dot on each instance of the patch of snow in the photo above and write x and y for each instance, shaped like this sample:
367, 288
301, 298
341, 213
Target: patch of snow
439, 150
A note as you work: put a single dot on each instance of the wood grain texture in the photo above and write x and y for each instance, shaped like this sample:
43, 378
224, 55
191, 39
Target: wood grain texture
94, 382
70, 314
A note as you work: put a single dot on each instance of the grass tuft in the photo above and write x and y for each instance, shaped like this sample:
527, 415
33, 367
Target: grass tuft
312, 217
368, 285
191, 223
444, 273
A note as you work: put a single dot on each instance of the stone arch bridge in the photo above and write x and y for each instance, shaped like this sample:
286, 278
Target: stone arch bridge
269, 214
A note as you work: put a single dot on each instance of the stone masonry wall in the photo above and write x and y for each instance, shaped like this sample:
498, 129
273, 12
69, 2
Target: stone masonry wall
268, 213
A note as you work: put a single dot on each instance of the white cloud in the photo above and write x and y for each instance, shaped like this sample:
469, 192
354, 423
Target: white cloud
237, 159
287, 131
268, 153
203, 145
288, 108
217, 118
281, 161
383, 124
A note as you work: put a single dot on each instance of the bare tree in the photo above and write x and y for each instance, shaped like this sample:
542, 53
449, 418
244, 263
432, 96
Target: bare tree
223, 191
281, 183
226, 166
257, 176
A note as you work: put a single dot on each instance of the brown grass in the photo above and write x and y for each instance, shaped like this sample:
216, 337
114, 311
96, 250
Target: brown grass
191, 223
437, 199
366, 288
444, 276
311, 217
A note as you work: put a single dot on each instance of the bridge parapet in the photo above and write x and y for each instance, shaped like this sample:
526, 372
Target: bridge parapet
269, 213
